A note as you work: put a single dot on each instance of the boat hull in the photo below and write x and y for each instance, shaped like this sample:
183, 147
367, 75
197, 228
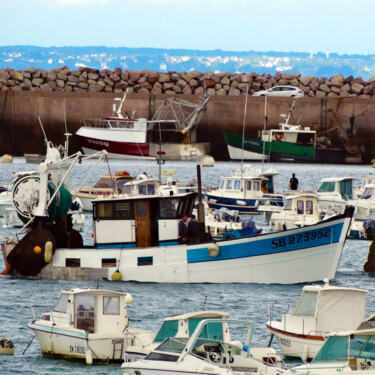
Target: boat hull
293, 345
74, 344
275, 150
294, 256
119, 147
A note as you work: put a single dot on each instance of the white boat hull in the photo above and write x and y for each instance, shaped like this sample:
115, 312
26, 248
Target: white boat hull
239, 154
75, 344
296, 256
301, 346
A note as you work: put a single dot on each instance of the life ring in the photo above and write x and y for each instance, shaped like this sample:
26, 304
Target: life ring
279, 136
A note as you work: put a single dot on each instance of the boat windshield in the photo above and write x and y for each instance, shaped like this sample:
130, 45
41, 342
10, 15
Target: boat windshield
340, 348
172, 344
327, 186
62, 303
170, 329
306, 304
346, 189
367, 194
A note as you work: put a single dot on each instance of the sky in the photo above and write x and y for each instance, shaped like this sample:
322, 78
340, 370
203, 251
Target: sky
340, 26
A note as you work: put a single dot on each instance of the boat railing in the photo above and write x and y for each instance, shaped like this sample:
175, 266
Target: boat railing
278, 306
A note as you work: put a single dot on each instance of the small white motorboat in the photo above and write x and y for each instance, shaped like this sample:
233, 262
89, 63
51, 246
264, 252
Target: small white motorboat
350, 352
210, 350
299, 210
321, 309
178, 326
335, 192
88, 324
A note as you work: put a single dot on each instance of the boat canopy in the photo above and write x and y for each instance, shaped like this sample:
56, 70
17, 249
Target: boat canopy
332, 306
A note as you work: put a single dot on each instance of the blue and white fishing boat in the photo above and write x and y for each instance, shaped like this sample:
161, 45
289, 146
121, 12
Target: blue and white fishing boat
135, 237
245, 190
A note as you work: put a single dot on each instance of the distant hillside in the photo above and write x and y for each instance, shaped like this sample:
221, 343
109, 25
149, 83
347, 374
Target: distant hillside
180, 60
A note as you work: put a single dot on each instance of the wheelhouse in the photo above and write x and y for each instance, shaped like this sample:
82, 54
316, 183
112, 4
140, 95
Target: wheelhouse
140, 221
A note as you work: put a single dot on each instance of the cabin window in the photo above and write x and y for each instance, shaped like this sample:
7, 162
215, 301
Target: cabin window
306, 139
62, 303
248, 185
147, 189
327, 186
300, 207
222, 184
306, 304
367, 193
111, 305
229, 184
128, 189
288, 204
309, 207
256, 185
346, 189
168, 329
237, 185
85, 312
168, 208
113, 210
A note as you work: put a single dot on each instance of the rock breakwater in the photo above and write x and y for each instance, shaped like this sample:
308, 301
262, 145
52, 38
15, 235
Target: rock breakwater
185, 83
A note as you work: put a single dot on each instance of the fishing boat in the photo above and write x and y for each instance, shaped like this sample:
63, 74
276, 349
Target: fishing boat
294, 143
179, 326
245, 190
350, 352
135, 237
169, 135
210, 350
321, 309
88, 324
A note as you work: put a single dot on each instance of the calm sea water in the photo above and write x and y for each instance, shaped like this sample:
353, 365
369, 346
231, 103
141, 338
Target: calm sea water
153, 302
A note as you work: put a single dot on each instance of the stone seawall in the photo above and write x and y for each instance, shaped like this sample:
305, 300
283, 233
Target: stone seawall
185, 83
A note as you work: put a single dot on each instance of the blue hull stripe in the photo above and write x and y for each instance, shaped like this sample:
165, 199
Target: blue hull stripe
278, 244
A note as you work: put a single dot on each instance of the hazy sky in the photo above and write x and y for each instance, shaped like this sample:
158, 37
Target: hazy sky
342, 26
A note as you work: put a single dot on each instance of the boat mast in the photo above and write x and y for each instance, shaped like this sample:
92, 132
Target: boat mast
264, 128
243, 129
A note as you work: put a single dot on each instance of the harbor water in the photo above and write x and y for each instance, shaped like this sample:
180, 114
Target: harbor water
153, 302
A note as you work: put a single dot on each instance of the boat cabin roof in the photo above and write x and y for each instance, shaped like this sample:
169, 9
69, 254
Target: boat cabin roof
200, 314
301, 196
93, 291
334, 179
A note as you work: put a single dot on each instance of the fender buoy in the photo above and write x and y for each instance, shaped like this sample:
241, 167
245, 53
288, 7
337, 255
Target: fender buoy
6, 346
88, 357
279, 136
48, 247
129, 299
37, 250
213, 250
116, 276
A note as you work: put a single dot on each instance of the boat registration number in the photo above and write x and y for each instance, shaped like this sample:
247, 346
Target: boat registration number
285, 342
77, 349
303, 237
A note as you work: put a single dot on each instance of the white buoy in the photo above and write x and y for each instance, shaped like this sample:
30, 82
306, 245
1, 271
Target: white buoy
208, 161
48, 251
6, 346
129, 299
7, 158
